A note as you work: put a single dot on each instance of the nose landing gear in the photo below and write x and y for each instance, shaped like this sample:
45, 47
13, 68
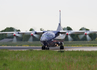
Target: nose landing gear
45, 48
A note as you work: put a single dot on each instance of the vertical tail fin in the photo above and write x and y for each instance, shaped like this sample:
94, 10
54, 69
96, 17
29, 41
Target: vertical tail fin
59, 26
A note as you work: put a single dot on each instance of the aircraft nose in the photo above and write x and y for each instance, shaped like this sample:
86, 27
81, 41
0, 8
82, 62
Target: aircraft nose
43, 39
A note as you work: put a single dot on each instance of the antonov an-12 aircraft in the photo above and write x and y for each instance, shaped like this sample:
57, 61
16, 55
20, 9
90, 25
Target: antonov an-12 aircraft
53, 38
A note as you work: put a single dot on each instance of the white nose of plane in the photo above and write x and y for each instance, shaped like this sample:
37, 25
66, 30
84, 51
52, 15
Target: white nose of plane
47, 36
43, 38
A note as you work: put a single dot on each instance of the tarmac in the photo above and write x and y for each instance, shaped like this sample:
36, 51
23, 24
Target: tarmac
51, 48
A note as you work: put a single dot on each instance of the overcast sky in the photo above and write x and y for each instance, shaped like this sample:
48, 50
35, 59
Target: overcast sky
26, 14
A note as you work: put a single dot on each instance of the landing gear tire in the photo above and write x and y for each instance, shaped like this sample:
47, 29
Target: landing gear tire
61, 47
43, 47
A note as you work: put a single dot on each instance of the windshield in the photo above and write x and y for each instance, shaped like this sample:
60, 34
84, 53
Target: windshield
47, 36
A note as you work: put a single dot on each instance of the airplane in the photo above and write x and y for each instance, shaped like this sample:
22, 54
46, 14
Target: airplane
52, 38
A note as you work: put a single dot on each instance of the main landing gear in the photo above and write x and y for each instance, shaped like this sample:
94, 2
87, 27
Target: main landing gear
61, 46
45, 48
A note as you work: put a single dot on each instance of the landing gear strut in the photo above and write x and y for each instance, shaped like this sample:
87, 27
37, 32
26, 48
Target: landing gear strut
61, 46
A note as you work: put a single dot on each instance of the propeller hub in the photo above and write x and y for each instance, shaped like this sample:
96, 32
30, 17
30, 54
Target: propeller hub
85, 33
14, 34
66, 33
31, 34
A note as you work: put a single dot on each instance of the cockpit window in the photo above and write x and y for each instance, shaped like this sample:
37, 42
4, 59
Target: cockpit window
48, 35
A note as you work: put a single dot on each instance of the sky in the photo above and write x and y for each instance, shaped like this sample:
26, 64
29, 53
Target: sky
26, 14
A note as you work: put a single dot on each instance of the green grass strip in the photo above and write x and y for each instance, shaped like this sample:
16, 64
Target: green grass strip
48, 60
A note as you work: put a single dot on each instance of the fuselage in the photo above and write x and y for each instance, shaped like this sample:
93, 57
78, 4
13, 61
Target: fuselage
49, 38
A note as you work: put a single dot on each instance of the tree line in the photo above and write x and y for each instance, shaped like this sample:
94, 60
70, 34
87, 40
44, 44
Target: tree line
25, 37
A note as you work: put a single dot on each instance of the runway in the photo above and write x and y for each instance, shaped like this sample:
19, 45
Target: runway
51, 48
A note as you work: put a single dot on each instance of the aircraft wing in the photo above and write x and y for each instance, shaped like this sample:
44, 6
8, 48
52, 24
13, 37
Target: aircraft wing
93, 31
82, 32
6, 32
36, 32
72, 32
77, 32
41, 32
14, 32
62, 32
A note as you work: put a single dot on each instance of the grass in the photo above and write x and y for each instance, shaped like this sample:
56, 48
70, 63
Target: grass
35, 43
48, 60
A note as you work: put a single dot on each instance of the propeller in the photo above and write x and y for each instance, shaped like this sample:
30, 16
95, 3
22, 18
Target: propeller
86, 34
16, 34
69, 37
33, 34
68, 33
14, 38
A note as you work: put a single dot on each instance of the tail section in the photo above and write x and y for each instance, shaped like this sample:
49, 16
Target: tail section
59, 26
61, 36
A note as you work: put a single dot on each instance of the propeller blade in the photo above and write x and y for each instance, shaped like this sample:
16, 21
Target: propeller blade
37, 36
70, 38
88, 37
30, 39
14, 39
81, 36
